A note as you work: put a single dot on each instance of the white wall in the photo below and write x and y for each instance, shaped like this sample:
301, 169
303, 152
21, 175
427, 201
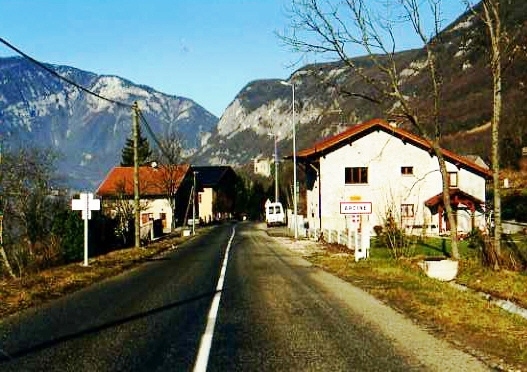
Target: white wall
383, 155
205, 205
156, 207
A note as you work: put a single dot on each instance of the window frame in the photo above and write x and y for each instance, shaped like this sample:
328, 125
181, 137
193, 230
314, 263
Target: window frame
355, 175
407, 207
407, 170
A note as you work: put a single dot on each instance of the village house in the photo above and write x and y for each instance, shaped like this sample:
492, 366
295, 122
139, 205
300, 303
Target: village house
216, 192
262, 166
158, 185
382, 171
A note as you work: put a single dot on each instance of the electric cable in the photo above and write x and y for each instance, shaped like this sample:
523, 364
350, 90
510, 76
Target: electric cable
56, 74
151, 132
86, 90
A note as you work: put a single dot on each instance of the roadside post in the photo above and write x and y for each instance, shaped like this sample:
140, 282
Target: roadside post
86, 203
357, 210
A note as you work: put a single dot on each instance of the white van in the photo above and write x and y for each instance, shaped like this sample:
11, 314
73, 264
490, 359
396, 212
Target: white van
274, 214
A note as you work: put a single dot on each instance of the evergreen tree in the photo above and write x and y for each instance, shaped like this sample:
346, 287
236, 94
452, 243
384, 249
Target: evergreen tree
127, 153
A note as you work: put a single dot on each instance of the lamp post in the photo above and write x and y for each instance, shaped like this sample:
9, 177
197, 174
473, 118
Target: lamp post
294, 159
275, 166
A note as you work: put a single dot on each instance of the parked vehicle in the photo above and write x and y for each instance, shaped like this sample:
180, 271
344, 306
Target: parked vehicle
274, 214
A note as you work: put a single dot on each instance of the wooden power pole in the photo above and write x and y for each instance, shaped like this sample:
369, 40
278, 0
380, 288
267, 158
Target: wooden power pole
137, 214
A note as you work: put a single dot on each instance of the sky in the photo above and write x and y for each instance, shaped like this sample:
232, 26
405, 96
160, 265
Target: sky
205, 50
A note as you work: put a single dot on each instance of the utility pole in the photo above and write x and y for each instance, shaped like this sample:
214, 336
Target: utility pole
275, 166
194, 204
137, 214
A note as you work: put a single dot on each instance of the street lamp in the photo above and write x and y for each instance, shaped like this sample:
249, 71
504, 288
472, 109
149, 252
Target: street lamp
294, 158
275, 165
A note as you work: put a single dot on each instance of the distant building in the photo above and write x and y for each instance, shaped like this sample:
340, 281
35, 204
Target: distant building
263, 166
216, 192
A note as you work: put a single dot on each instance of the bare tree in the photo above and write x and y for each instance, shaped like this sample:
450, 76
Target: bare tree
503, 49
170, 153
26, 180
352, 27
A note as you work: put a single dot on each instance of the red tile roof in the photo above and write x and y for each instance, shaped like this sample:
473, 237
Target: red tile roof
151, 180
360, 130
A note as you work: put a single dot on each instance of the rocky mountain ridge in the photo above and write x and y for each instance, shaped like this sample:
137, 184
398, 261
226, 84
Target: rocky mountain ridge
37, 108
263, 107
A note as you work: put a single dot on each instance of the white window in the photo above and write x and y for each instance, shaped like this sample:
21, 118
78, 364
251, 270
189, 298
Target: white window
452, 179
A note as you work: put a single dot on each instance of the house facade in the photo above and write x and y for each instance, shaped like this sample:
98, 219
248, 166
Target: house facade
160, 188
262, 166
389, 173
216, 192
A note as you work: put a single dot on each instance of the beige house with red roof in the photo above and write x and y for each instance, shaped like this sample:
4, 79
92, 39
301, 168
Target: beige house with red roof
158, 185
384, 169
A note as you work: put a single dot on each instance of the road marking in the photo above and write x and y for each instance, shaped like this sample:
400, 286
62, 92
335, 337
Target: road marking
206, 340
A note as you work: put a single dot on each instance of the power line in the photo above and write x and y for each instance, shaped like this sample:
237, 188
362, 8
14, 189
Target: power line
86, 90
151, 132
56, 74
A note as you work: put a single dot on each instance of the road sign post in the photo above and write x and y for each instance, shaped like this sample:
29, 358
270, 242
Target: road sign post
358, 210
86, 203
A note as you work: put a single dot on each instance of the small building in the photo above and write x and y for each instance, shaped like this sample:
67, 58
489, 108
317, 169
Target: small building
389, 173
216, 192
262, 166
165, 194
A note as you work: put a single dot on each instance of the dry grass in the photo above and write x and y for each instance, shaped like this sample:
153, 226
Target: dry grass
49, 284
463, 317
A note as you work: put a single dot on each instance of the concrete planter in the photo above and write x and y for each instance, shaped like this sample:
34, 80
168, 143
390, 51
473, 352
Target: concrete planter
444, 270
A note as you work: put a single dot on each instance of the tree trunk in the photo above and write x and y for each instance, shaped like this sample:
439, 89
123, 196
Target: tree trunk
6, 262
448, 206
491, 18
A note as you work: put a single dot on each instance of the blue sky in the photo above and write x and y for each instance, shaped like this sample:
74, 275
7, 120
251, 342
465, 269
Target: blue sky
205, 50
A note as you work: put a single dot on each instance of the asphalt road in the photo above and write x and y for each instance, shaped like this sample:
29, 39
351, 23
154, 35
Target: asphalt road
275, 312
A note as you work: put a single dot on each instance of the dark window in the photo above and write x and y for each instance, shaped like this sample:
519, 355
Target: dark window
407, 210
354, 175
407, 170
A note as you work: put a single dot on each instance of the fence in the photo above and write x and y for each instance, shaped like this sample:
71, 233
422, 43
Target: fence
354, 240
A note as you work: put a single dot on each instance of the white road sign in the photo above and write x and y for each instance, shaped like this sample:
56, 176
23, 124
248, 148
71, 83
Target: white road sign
355, 208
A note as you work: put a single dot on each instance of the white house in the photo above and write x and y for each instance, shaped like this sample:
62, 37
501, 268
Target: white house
262, 166
381, 170
156, 186
216, 192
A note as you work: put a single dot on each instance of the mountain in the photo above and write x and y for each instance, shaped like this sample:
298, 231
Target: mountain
87, 132
264, 106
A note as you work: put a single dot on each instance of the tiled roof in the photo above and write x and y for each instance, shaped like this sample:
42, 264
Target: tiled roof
456, 196
330, 144
152, 180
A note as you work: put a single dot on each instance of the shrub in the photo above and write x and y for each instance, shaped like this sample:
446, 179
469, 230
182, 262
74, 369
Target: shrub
395, 238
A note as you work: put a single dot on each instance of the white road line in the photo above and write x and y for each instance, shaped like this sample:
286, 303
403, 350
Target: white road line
206, 340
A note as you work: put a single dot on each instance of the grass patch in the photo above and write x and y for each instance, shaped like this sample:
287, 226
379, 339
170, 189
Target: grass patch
464, 318
36, 289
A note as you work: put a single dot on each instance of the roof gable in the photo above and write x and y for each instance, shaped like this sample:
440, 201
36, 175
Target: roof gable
211, 176
152, 180
347, 137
